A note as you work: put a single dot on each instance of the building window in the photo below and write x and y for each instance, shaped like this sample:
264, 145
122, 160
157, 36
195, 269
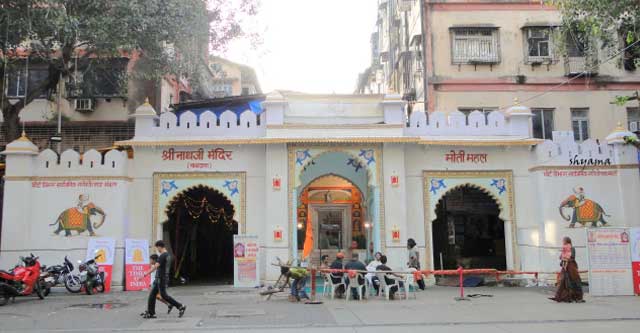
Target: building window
542, 123
17, 81
475, 46
485, 111
538, 43
633, 119
580, 123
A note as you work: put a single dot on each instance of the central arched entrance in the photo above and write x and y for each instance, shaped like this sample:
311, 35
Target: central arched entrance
468, 231
333, 207
200, 228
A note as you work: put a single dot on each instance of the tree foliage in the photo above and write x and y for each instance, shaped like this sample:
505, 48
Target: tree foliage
170, 36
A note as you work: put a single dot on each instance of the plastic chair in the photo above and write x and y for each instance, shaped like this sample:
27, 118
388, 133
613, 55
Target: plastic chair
385, 287
355, 284
332, 287
410, 282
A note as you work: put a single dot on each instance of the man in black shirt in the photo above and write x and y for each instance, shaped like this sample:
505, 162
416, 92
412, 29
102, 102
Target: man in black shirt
355, 265
389, 280
337, 277
162, 281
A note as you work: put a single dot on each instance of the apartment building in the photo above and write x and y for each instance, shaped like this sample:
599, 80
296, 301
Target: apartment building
231, 79
482, 55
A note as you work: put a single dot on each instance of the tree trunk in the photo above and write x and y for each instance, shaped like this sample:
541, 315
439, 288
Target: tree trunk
11, 123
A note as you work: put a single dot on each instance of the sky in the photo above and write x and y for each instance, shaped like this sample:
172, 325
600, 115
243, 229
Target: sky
313, 46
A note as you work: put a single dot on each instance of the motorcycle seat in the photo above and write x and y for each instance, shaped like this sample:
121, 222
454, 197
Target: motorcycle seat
2, 271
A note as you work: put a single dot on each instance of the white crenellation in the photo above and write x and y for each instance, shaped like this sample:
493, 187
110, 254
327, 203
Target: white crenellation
565, 151
71, 163
228, 124
457, 124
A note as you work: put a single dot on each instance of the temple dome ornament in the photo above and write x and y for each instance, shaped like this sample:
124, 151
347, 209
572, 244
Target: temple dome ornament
619, 134
21, 145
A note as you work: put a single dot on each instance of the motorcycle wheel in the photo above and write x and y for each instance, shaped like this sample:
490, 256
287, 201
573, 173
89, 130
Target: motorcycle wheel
39, 290
72, 283
47, 291
4, 299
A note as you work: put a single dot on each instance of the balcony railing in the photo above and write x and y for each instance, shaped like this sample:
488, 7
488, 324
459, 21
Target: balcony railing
587, 64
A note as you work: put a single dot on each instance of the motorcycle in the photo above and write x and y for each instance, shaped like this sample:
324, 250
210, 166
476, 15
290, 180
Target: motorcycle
23, 280
60, 274
90, 276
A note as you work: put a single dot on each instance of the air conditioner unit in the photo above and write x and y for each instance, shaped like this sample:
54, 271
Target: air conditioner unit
633, 126
84, 104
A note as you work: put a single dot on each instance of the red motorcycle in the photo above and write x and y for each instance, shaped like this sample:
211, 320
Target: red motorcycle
23, 280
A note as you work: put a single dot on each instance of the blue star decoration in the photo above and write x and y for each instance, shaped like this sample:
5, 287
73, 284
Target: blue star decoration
368, 155
168, 186
500, 184
437, 184
354, 163
232, 186
302, 155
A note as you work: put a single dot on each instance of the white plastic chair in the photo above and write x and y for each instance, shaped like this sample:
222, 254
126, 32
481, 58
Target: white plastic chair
332, 287
385, 287
355, 284
410, 282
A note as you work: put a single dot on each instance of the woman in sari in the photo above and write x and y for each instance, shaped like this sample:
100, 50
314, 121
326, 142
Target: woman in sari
569, 284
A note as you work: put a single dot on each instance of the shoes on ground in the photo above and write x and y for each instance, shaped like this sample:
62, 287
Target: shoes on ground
182, 311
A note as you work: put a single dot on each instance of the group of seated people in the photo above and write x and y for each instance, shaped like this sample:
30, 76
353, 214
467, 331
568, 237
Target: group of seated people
379, 263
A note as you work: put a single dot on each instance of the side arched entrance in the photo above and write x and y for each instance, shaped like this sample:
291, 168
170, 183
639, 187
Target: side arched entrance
470, 219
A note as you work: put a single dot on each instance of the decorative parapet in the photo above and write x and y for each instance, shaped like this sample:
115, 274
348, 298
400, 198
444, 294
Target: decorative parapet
207, 124
71, 163
563, 150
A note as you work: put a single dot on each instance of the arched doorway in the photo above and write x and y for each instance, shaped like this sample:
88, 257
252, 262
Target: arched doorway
468, 231
200, 229
333, 206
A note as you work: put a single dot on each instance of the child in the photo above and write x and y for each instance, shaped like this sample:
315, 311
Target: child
152, 260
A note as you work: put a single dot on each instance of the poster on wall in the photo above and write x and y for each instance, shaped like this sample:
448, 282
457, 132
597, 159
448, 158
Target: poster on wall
245, 261
136, 262
609, 262
635, 258
104, 249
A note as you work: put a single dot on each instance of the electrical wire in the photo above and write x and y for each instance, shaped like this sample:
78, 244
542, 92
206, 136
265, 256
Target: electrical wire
583, 73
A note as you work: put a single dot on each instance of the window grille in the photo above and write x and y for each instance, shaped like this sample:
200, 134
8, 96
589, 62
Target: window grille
580, 123
538, 42
475, 46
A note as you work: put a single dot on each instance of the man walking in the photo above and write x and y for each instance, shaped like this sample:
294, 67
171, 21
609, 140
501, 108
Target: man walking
161, 282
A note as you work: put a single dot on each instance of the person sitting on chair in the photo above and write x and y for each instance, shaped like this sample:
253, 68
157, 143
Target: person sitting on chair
337, 277
383, 267
356, 265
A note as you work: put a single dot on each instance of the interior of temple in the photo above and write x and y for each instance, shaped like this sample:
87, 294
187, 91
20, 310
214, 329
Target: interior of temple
200, 229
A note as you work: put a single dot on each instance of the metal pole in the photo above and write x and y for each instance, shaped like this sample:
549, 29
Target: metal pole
59, 146
441, 263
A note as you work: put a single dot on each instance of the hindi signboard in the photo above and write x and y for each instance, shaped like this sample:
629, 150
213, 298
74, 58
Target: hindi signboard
136, 262
609, 262
245, 261
106, 248
635, 258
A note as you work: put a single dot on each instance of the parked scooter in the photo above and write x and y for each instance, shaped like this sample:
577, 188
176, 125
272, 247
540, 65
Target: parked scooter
90, 276
60, 274
23, 280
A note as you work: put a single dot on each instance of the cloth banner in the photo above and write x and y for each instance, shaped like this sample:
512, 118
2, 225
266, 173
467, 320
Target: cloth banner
245, 261
635, 258
136, 262
609, 262
106, 247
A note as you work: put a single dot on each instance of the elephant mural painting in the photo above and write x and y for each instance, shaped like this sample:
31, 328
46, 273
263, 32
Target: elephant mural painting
584, 210
79, 218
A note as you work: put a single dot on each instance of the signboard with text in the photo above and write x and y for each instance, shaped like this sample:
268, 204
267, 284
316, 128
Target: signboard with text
635, 258
136, 262
609, 262
245, 261
105, 248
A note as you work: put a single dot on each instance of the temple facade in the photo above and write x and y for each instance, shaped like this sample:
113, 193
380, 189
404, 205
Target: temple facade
332, 172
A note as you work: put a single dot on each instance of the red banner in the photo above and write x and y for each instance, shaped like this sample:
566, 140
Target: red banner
635, 268
107, 276
132, 273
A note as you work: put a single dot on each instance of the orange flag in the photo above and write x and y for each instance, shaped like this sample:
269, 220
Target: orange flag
308, 239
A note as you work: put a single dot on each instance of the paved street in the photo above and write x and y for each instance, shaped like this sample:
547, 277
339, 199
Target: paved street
224, 309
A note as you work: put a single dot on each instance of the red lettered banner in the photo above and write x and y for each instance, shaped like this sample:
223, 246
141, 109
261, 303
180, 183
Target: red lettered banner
635, 268
136, 262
